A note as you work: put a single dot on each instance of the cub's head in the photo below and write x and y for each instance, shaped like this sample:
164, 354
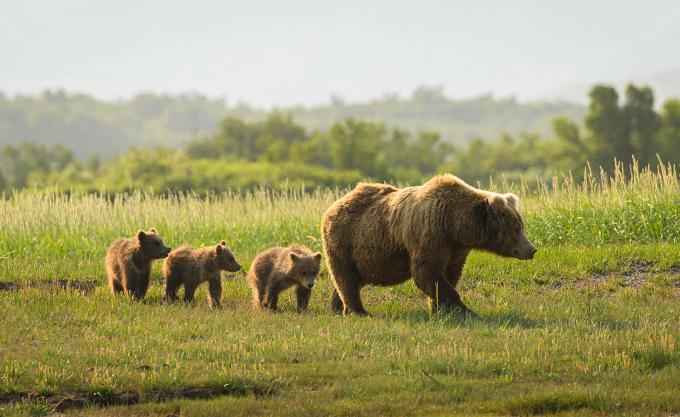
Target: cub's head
505, 227
225, 259
152, 246
305, 268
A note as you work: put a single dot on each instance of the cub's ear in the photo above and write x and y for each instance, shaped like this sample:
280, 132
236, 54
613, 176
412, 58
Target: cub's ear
152, 230
512, 199
218, 248
317, 256
223, 243
141, 235
294, 257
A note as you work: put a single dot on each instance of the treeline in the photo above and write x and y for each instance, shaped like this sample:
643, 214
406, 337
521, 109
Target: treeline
108, 128
277, 150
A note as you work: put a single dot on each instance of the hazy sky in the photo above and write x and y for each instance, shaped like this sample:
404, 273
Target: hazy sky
301, 52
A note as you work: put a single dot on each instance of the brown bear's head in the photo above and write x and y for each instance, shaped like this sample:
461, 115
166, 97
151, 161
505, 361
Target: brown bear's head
152, 246
304, 269
225, 259
505, 228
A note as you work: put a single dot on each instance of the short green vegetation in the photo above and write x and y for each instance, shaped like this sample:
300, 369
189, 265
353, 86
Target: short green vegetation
589, 327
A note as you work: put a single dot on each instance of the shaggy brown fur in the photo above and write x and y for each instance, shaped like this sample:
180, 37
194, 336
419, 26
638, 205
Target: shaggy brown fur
128, 262
381, 235
192, 267
277, 269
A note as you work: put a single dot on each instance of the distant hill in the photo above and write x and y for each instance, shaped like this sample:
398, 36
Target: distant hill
90, 126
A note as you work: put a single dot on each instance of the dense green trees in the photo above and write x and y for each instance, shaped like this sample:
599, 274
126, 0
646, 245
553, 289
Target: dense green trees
109, 128
244, 154
30, 163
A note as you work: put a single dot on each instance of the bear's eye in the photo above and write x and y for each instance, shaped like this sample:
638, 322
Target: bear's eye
157, 243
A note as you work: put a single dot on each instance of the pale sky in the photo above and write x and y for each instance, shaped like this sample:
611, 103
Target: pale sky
301, 52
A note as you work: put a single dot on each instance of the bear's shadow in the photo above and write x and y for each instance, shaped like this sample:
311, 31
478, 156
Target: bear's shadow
496, 320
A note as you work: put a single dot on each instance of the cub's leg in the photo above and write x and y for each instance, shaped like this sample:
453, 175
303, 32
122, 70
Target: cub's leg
173, 281
115, 276
143, 283
303, 295
189, 291
131, 282
271, 296
215, 292
258, 290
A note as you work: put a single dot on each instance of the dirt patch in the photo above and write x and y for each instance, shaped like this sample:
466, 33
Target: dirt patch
81, 399
9, 286
84, 285
636, 276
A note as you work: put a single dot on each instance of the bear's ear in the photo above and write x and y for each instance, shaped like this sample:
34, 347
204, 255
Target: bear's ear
495, 200
152, 230
317, 256
294, 257
512, 199
218, 249
223, 243
141, 235
491, 204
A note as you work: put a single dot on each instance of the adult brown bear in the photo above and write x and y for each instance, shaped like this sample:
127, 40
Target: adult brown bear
381, 235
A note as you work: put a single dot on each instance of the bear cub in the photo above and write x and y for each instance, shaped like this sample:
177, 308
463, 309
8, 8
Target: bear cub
192, 267
128, 262
277, 269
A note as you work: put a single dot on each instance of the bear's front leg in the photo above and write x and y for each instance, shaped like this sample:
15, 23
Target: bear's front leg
143, 283
215, 292
131, 282
336, 303
430, 279
303, 295
453, 274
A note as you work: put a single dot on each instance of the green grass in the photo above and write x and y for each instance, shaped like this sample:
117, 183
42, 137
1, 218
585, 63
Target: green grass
590, 327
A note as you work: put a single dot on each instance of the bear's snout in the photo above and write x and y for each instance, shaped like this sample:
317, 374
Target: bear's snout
530, 254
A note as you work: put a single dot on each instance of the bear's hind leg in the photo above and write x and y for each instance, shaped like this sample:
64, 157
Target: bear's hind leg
271, 296
115, 286
172, 283
189, 291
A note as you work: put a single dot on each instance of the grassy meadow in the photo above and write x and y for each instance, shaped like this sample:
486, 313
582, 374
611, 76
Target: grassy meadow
591, 326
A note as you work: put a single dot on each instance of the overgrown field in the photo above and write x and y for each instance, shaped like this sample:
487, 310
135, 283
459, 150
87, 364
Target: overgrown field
589, 327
